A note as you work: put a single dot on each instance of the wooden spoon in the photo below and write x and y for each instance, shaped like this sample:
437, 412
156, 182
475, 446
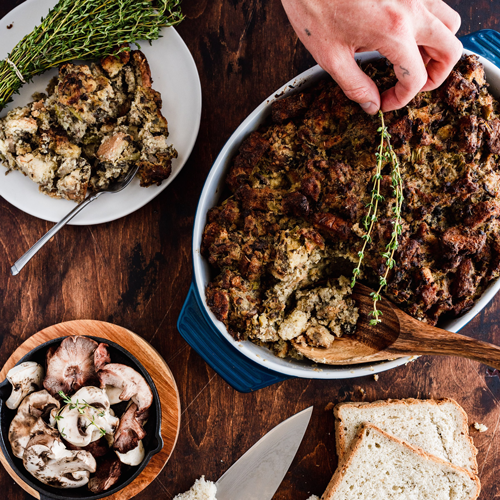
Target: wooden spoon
396, 336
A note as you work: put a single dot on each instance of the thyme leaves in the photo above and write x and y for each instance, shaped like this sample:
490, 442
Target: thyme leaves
384, 154
84, 29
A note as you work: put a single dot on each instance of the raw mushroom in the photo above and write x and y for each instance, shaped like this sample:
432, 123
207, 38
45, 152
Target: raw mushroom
101, 356
35, 405
107, 475
72, 366
25, 378
128, 437
97, 448
133, 457
47, 459
132, 384
80, 423
113, 394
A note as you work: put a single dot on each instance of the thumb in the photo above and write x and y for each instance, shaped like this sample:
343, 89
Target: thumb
356, 84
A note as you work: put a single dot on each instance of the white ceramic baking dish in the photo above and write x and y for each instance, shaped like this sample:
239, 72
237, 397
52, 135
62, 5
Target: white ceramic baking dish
214, 185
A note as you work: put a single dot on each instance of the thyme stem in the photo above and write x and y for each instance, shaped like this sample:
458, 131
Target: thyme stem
371, 217
385, 152
84, 29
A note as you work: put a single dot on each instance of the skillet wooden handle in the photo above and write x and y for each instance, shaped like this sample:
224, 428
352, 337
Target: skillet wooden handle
419, 338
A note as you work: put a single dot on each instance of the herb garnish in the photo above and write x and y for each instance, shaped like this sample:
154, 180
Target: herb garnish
81, 407
84, 29
385, 153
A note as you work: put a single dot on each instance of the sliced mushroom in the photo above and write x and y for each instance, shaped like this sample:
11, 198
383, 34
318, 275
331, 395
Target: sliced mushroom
130, 431
113, 394
25, 378
101, 356
87, 417
107, 475
97, 448
35, 405
71, 366
47, 459
133, 457
132, 384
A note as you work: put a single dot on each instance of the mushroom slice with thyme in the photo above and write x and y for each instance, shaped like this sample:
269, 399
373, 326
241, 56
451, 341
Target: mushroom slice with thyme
128, 437
71, 366
25, 378
86, 417
132, 384
35, 405
107, 475
47, 458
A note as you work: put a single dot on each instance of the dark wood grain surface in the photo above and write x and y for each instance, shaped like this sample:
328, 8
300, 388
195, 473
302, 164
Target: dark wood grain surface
136, 272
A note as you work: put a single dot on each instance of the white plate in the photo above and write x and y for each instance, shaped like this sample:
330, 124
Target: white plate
174, 75
203, 272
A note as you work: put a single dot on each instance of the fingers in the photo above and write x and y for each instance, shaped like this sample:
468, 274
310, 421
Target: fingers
449, 17
425, 57
356, 85
411, 73
443, 48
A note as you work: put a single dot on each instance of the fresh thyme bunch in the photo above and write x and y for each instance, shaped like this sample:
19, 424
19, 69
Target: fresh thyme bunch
83, 29
385, 153
81, 407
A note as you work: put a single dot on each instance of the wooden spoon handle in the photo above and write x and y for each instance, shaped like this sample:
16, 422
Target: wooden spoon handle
419, 338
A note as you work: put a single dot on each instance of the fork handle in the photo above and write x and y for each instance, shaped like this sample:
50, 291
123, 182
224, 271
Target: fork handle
16, 268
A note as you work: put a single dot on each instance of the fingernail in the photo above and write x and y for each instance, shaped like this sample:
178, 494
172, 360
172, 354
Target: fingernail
369, 107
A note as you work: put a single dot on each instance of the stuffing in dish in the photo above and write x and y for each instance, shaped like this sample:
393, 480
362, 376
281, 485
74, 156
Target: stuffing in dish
94, 123
292, 222
69, 429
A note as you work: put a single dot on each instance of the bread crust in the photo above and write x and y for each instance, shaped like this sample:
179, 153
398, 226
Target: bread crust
341, 435
356, 444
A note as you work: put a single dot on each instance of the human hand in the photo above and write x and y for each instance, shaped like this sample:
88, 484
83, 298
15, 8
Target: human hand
417, 36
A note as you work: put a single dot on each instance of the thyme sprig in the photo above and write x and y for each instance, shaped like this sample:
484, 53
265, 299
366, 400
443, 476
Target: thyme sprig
385, 153
81, 407
84, 29
370, 219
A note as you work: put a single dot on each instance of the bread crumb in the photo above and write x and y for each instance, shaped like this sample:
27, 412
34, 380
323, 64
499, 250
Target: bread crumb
329, 406
313, 497
201, 490
375, 377
412, 358
362, 391
480, 427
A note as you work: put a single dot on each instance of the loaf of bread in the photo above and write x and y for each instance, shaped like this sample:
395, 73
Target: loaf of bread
439, 427
379, 466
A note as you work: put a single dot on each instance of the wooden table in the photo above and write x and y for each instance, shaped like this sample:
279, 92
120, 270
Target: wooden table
136, 272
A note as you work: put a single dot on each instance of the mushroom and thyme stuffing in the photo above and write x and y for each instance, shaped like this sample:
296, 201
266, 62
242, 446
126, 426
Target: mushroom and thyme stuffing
299, 188
94, 123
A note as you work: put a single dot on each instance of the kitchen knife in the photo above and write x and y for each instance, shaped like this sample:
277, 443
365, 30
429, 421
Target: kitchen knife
259, 472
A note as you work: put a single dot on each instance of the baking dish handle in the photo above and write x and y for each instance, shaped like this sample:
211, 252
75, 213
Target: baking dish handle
235, 368
486, 43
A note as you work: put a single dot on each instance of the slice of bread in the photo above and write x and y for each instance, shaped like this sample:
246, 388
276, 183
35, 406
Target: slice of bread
439, 427
379, 466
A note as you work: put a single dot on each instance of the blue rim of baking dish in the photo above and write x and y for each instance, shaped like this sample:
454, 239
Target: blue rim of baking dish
197, 328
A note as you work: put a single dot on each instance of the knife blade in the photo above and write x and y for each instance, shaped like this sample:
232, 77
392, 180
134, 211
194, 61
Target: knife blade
259, 472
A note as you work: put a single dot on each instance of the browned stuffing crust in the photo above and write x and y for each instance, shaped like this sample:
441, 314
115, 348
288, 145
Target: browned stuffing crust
95, 122
299, 187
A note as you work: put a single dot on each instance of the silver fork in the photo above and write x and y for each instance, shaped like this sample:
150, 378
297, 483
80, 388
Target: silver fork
115, 187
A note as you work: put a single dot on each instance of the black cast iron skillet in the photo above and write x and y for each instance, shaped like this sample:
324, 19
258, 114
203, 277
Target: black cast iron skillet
153, 442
